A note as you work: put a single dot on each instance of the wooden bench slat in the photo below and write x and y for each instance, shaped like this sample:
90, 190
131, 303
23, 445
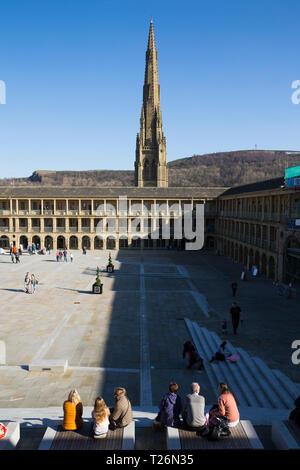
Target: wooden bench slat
237, 440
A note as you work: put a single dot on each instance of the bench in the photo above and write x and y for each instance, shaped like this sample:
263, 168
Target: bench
10, 441
285, 435
243, 436
56, 438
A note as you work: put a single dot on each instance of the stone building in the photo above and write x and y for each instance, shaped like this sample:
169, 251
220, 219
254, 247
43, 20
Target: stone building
259, 224
253, 224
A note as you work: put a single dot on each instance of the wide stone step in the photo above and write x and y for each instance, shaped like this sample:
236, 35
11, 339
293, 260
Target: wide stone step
225, 375
269, 392
236, 370
251, 381
292, 388
282, 394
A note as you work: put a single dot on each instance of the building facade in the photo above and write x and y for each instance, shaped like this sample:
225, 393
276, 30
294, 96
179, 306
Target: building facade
256, 224
259, 224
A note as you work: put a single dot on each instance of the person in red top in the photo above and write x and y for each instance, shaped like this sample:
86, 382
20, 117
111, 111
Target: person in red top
228, 406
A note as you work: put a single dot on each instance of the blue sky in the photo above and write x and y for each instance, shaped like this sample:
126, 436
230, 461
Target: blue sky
74, 74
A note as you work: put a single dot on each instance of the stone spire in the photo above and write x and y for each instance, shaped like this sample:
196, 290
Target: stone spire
151, 155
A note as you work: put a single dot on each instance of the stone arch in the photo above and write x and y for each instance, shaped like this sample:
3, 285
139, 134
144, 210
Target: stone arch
271, 268
245, 257
24, 242
98, 243
86, 242
263, 267
36, 239
4, 242
73, 243
241, 254
110, 243
61, 242
49, 241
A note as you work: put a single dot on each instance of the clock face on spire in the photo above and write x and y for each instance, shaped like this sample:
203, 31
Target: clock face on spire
151, 155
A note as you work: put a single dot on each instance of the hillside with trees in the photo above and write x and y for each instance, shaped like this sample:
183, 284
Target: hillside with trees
208, 170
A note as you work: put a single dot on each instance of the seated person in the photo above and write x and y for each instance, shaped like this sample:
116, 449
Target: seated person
100, 416
226, 406
72, 412
170, 408
221, 353
121, 414
193, 409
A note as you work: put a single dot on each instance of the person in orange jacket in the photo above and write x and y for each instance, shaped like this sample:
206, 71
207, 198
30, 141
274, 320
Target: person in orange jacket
72, 412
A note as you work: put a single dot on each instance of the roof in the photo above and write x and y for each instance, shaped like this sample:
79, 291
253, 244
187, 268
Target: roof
275, 183
39, 191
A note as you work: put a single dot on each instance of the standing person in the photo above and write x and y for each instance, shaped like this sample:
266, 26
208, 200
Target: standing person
13, 257
72, 412
27, 283
10, 248
65, 255
224, 326
100, 415
60, 255
49, 249
17, 255
235, 313
121, 414
193, 409
170, 408
57, 256
234, 288
32, 284
71, 257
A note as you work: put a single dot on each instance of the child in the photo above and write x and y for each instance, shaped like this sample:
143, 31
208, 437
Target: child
224, 326
100, 416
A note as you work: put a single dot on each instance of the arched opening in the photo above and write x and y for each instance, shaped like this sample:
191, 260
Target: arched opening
37, 241
86, 242
256, 259
241, 254
111, 243
292, 261
48, 242
98, 243
61, 243
263, 264
24, 242
245, 258
4, 242
123, 242
73, 243
251, 258
271, 268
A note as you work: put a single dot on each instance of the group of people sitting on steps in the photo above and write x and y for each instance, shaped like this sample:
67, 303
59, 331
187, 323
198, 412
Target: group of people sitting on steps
103, 417
192, 409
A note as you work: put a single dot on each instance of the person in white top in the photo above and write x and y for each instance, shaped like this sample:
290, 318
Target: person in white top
100, 416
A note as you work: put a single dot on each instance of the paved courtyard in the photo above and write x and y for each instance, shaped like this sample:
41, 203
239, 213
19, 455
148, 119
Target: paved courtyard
131, 335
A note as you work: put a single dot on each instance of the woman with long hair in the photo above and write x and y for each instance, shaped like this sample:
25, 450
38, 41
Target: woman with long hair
227, 405
100, 416
72, 412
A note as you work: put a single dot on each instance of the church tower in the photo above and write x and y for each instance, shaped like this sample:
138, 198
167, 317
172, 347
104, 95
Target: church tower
151, 152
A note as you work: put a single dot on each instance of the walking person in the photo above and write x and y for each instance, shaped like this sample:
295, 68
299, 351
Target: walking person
71, 257
234, 288
49, 249
57, 256
235, 313
33, 282
65, 255
27, 283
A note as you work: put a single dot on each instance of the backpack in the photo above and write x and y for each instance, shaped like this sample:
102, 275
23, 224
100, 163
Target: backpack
218, 428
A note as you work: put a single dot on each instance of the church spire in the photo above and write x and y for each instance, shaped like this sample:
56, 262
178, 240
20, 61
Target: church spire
150, 165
